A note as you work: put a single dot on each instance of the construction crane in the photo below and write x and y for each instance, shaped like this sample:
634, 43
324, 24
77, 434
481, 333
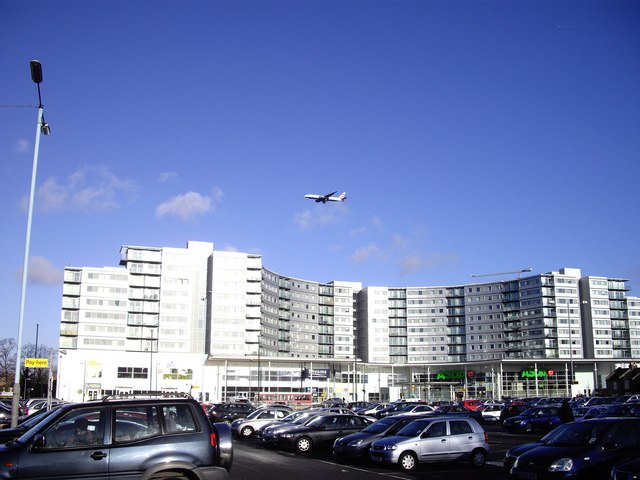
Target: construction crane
524, 270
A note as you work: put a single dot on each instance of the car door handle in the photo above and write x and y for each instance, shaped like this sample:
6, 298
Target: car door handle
443, 440
98, 455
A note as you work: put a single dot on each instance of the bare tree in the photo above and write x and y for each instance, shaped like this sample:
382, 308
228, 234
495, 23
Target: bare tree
8, 352
34, 380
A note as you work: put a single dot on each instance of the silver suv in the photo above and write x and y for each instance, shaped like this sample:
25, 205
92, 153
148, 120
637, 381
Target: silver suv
436, 439
147, 438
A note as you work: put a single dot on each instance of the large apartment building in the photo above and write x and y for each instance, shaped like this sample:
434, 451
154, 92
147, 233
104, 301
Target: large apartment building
219, 324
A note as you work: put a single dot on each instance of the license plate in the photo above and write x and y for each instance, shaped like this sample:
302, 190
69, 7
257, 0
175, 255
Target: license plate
376, 458
526, 476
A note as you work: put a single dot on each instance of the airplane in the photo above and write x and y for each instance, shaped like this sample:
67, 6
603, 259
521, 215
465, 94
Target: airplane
329, 197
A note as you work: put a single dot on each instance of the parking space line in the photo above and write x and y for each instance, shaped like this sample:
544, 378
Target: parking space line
348, 467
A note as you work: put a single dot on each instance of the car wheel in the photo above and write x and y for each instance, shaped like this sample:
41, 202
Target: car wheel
407, 461
528, 427
478, 457
246, 431
303, 444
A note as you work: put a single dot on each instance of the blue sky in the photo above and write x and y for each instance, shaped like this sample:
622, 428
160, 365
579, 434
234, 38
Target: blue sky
472, 137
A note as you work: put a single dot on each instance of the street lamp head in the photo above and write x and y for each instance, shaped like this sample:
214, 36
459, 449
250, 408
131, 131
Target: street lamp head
36, 71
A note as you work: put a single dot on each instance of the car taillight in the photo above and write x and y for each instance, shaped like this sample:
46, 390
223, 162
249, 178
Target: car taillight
486, 437
213, 439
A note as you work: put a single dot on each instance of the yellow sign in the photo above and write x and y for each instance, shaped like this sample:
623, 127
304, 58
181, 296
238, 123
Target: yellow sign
36, 362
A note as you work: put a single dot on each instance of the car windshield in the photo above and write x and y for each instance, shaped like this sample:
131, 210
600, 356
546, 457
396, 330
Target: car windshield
379, 426
305, 418
414, 428
576, 434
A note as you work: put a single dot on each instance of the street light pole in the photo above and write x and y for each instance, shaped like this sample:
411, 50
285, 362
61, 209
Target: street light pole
570, 345
259, 373
41, 127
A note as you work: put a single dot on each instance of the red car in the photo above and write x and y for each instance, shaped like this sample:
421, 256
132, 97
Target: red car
472, 404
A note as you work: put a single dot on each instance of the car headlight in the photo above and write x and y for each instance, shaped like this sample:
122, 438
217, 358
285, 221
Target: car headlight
390, 447
285, 435
562, 465
355, 443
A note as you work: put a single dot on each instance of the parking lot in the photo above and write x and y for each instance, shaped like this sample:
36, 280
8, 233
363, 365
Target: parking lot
253, 460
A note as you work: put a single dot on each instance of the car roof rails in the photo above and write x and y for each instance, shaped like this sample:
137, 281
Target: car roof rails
144, 396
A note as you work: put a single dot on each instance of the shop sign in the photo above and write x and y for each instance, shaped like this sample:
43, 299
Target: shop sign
450, 375
533, 374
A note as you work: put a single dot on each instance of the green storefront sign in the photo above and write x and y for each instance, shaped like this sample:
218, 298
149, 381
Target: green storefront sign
535, 374
450, 375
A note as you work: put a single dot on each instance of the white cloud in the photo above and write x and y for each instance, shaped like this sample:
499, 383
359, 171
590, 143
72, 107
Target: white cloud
42, 272
363, 254
166, 176
191, 204
92, 188
320, 216
21, 146
376, 222
415, 263
400, 242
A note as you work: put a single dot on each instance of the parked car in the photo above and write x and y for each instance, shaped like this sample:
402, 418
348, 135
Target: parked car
356, 445
246, 427
511, 410
116, 438
414, 409
268, 432
36, 403
5, 415
321, 430
435, 439
490, 413
459, 410
578, 450
626, 470
228, 412
534, 418
627, 399
355, 407
373, 409
593, 401
472, 404
394, 408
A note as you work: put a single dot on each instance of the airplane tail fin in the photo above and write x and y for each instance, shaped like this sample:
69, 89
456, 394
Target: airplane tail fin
342, 196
